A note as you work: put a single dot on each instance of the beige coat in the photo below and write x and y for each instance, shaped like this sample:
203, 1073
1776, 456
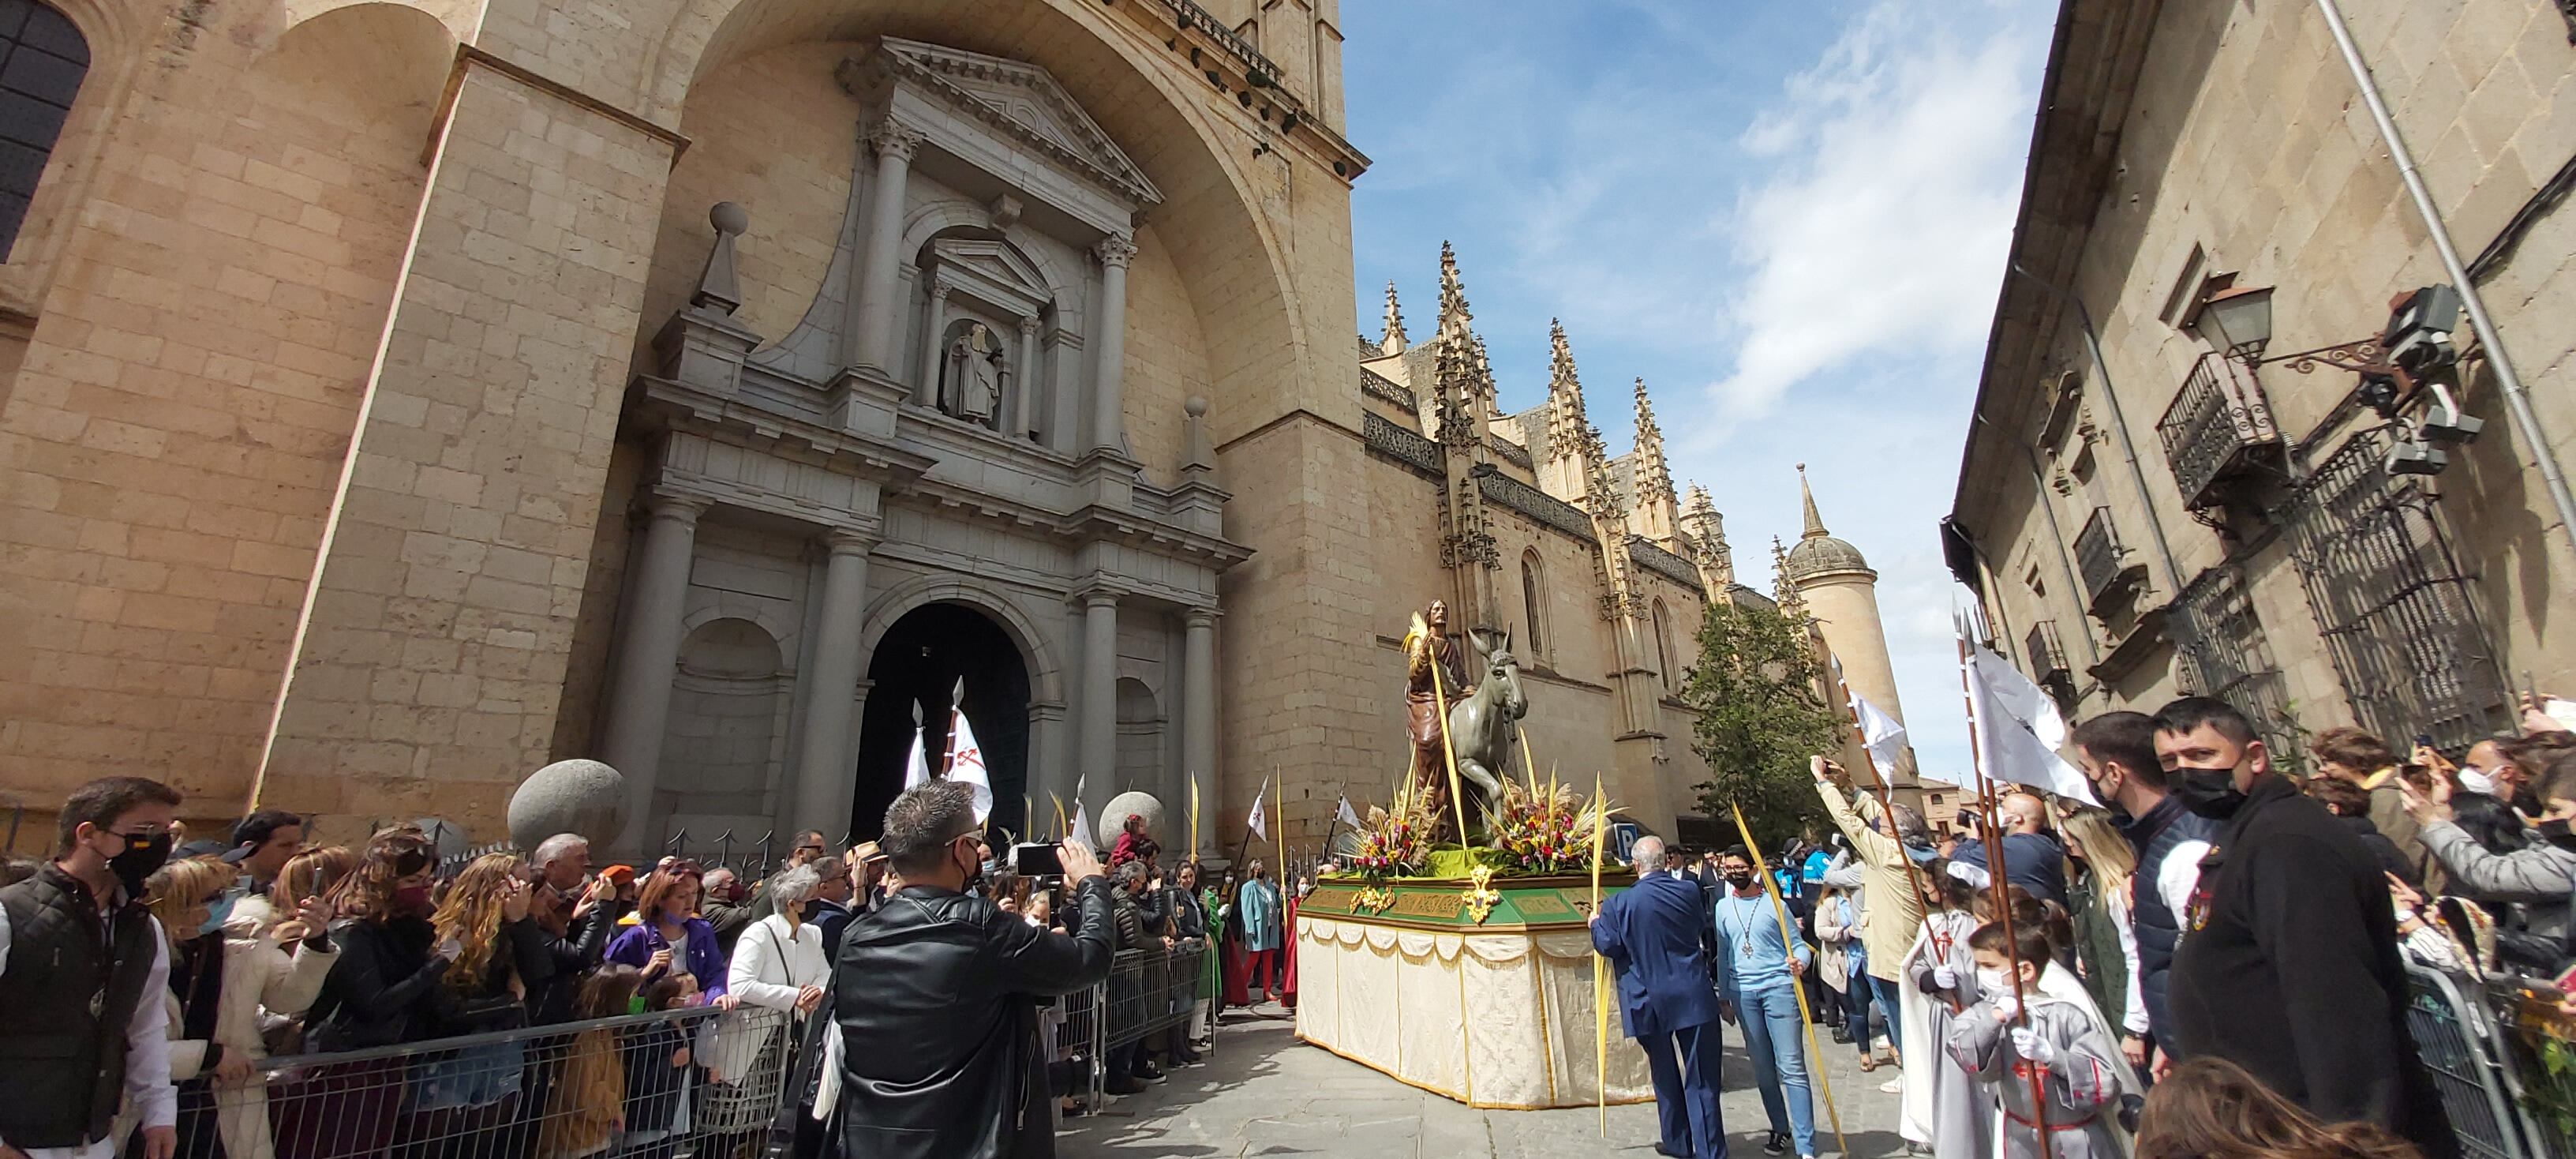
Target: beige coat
1895, 911
258, 977
1833, 964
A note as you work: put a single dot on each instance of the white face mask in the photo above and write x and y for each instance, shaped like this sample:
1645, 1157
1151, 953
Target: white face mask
2477, 781
1992, 981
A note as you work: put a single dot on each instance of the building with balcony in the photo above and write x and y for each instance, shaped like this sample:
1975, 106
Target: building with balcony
2185, 475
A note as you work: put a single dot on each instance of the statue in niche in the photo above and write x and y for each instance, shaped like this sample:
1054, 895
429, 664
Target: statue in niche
974, 375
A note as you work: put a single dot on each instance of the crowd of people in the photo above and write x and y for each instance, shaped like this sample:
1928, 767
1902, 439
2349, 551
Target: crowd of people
2211, 961
906, 983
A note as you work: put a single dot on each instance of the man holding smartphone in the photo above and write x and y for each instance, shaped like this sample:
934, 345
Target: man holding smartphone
968, 1079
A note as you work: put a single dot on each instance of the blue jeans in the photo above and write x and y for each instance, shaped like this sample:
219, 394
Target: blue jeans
1769, 1015
1884, 993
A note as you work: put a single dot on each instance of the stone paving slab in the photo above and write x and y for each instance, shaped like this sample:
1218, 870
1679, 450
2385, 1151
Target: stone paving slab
1264, 1093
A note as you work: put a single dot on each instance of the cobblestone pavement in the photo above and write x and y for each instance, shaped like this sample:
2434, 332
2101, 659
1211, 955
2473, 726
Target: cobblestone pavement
1265, 1093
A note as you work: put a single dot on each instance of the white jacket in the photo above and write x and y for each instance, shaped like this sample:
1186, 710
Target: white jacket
771, 964
258, 976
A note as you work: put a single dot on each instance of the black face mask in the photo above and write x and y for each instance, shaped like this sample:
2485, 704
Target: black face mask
1739, 880
2554, 831
2212, 793
142, 857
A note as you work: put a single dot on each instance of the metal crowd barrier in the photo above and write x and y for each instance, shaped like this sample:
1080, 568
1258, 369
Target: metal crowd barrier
1150, 990
701, 1083
2504, 1062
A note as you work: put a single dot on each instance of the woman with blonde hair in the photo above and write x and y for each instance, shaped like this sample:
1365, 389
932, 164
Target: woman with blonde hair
218, 988
463, 1101
2210, 1107
2099, 902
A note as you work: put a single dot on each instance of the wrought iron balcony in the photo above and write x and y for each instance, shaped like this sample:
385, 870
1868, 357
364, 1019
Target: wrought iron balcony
2217, 427
2047, 658
2108, 571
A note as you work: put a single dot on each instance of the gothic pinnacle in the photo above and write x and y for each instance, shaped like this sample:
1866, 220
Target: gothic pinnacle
1815, 522
1393, 339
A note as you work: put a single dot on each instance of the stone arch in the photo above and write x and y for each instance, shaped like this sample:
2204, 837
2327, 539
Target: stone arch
1046, 664
927, 222
780, 631
1211, 220
457, 17
1534, 603
115, 34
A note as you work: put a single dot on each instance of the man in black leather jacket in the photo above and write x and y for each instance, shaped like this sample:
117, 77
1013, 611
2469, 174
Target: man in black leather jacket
937, 992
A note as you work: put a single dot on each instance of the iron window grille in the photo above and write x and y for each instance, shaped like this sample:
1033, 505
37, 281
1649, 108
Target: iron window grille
2225, 654
2104, 563
2217, 428
2392, 601
42, 62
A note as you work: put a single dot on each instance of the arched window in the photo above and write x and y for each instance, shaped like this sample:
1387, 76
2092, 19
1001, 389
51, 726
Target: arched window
1530, 604
42, 61
1664, 647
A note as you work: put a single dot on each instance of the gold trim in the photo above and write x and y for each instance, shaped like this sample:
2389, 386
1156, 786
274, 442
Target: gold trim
1546, 1027
1480, 897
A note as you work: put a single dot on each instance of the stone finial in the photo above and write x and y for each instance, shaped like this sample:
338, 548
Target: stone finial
1654, 477
1807, 495
1392, 339
1198, 451
1453, 294
1783, 591
719, 289
575, 796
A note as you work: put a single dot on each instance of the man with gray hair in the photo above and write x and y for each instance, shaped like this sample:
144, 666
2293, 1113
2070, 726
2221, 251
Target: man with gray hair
1652, 933
943, 988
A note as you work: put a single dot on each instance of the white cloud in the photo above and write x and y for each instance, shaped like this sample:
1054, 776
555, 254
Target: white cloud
1882, 228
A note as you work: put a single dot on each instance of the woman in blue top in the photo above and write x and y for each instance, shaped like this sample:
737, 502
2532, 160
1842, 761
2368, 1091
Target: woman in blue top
669, 936
1258, 902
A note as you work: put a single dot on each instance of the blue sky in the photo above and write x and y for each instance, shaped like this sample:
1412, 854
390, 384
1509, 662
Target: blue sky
1788, 217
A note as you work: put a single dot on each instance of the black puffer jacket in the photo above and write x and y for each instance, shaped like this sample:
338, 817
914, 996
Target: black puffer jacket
937, 994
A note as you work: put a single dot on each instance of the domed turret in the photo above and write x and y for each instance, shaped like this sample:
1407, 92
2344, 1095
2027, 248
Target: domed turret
1818, 553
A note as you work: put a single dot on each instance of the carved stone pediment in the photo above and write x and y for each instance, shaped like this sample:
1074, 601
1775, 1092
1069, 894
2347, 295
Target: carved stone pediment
1020, 100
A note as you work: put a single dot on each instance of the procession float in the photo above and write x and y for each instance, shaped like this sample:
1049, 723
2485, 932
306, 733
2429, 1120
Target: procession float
1450, 950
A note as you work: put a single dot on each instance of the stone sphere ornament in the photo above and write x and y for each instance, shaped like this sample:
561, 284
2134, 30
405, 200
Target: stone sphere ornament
576, 796
728, 218
1113, 820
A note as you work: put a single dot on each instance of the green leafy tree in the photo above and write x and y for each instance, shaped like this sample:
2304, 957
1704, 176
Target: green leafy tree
1760, 718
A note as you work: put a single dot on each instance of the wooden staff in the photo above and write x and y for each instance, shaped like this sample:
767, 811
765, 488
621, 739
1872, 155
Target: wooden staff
1788, 938
1600, 972
2003, 896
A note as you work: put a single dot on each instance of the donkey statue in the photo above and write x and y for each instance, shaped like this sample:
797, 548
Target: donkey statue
1481, 727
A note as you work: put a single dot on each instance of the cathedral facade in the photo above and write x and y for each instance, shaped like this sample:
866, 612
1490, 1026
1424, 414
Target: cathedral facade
397, 397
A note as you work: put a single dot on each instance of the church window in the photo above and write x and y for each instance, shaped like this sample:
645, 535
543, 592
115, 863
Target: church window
1530, 604
42, 61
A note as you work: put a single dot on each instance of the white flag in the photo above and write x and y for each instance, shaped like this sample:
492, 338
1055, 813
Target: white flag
2019, 728
966, 763
916, 769
1081, 818
1885, 737
1257, 819
1344, 812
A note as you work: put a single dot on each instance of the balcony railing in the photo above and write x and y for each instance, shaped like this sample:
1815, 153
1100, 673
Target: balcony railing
2216, 429
2105, 565
2047, 658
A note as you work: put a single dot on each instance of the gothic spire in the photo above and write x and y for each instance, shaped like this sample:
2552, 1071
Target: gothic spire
1815, 522
1569, 431
1654, 477
1393, 340
1453, 294
1782, 591
1707, 530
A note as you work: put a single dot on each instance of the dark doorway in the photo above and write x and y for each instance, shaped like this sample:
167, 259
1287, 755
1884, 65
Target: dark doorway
919, 662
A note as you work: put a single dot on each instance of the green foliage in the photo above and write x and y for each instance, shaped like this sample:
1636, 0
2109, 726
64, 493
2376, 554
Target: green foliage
1760, 718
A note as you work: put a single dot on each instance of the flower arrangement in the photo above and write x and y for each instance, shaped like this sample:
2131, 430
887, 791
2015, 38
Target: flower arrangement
1544, 828
1394, 843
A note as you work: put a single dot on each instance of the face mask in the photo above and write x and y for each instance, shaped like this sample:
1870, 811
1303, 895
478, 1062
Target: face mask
141, 858
412, 901
221, 909
2554, 831
1992, 981
1739, 880
2212, 793
2475, 781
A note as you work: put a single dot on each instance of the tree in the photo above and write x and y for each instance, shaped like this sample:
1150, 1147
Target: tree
1760, 718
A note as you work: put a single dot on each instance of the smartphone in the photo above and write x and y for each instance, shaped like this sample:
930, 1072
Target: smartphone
1037, 860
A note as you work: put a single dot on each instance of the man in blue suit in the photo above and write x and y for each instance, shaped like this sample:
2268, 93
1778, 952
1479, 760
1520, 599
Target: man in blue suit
1652, 933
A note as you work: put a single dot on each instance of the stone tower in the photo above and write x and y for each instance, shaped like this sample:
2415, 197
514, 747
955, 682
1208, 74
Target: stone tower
1836, 586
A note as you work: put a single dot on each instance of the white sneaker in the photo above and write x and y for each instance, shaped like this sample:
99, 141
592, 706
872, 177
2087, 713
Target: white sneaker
1892, 1086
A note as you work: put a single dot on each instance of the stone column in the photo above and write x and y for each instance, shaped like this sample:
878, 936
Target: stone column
873, 329
1024, 403
1108, 414
1049, 779
639, 694
1099, 699
1198, 708
824, 763
926, 391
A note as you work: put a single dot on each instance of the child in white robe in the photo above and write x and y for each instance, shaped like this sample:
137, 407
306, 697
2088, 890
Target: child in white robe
2007, 1040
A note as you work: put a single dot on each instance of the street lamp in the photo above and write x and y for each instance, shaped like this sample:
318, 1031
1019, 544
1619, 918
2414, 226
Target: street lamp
2238, 321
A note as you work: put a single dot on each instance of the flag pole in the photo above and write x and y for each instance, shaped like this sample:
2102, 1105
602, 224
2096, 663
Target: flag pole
1600, 976
1886, 797
956, 705
1788, 938
2002, 891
